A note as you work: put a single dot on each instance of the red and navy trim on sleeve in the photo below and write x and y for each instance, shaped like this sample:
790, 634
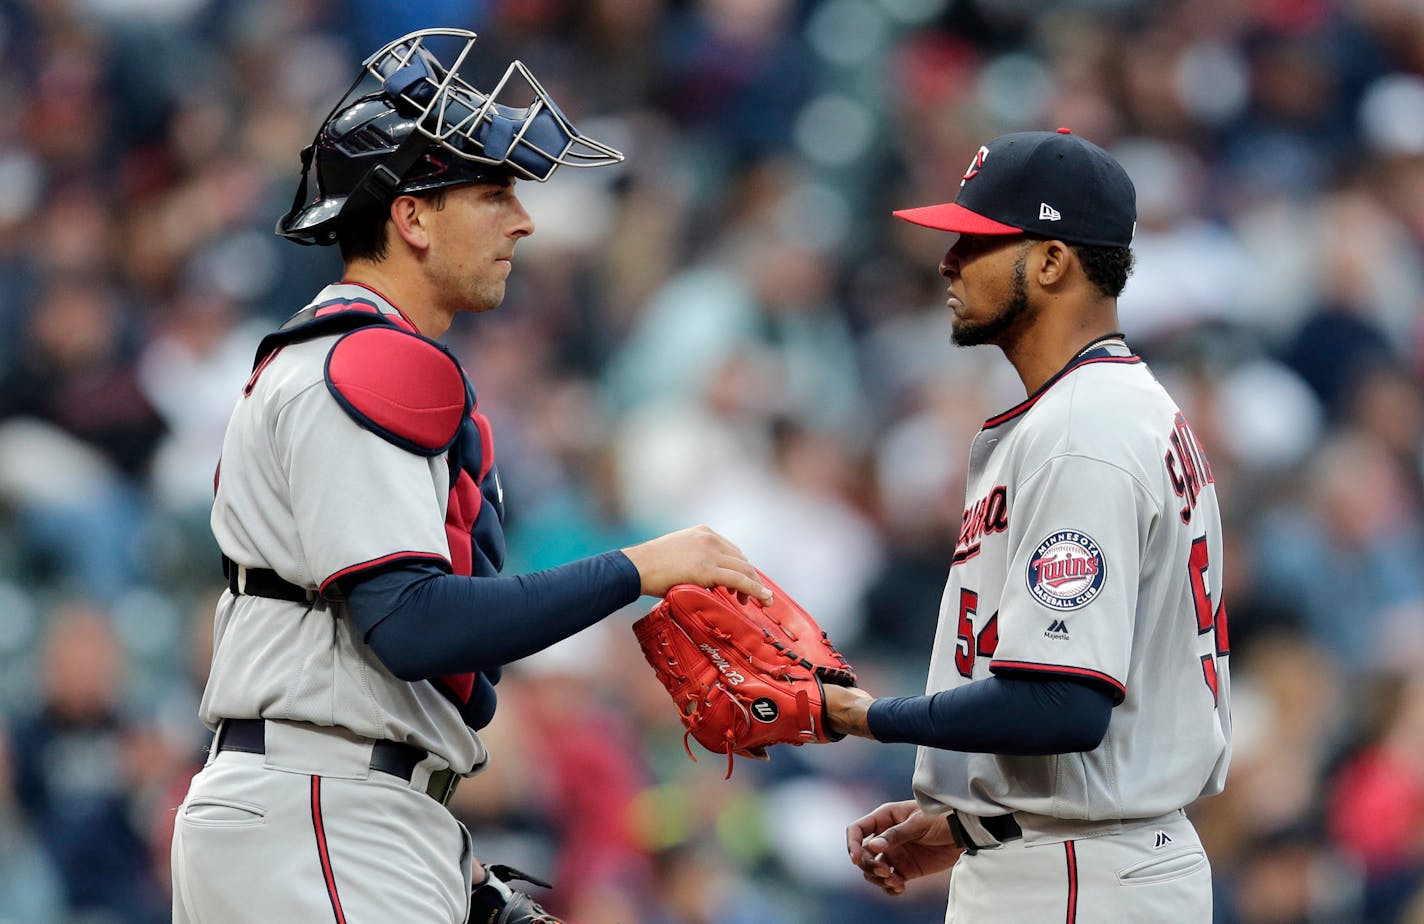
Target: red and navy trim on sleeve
384, 561
1119, 691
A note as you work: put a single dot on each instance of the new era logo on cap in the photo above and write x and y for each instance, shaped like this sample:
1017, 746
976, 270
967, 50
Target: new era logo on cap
1013, 179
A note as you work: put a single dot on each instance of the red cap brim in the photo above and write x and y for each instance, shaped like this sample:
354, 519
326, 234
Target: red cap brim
952, 217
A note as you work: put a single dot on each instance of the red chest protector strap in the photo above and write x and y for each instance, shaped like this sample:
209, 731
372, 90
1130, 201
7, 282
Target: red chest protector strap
323, 319
399, 385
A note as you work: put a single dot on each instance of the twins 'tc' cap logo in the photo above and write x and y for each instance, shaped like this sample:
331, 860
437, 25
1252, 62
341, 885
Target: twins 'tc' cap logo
976, 164
1066, 571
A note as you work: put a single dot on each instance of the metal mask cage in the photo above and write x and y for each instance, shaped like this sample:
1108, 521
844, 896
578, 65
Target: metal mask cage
530, 140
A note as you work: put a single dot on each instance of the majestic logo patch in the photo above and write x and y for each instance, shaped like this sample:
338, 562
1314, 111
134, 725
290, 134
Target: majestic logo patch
764, 709
975, 165
1057, 629
1047, 212
1066, 571
1163, 839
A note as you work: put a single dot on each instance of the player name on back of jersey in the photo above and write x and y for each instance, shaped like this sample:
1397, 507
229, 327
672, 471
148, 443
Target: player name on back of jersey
1187, 466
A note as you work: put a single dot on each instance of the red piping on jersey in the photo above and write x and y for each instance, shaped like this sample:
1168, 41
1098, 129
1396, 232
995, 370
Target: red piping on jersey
1072, 853
1060, 669
382, 296
323, 853
1030, 401
383, 560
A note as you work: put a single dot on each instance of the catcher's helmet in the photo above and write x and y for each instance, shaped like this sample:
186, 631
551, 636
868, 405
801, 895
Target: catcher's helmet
424, 127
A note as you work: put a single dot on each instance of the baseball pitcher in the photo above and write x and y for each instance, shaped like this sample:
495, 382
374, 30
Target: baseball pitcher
1079, 695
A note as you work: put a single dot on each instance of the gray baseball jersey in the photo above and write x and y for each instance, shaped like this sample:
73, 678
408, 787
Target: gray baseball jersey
1090, 547
285, 502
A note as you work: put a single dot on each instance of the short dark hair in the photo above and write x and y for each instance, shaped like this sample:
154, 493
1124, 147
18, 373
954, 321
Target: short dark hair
1106, 267
362, 234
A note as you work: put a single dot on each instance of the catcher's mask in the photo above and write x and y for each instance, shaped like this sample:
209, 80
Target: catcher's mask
423, 126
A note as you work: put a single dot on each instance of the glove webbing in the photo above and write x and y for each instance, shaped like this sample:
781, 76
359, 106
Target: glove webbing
769, 668
839, 676
842, 676
803, 710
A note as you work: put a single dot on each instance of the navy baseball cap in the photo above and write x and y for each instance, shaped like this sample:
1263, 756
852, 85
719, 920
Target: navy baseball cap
1050, 184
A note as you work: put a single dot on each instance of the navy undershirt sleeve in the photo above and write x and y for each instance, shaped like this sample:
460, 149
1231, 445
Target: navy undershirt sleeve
1021, 716
422, 622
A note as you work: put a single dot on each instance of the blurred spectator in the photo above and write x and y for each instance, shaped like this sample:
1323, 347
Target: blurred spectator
28, 880
80, 767
1376, 800
798, 521
736, 72
1267, 854
694, 884
919, 495
1387, 403
762, 307
187, 370
1187, 270
1292, 876
77, 437
590, 757
1351, 553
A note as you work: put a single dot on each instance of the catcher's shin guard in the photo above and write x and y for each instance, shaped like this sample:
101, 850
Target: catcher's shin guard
494, 902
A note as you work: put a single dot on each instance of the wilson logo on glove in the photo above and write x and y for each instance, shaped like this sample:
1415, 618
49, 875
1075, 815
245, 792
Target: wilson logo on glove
742, 676
764, 710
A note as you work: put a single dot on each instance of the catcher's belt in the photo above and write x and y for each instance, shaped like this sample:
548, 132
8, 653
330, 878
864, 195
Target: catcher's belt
393, 757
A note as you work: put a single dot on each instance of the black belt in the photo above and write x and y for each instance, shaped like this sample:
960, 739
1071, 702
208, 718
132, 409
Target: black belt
393, 757
262, 582
1001, 827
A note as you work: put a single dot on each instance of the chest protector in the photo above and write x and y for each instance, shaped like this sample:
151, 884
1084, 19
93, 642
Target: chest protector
412, 392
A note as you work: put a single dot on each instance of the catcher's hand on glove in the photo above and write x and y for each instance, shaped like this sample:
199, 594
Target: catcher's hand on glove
742, 675
494, 902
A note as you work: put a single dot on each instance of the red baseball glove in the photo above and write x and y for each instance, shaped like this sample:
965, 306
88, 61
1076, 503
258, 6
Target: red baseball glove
743, 676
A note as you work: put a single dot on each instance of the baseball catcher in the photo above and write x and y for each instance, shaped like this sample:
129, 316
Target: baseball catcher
359, 509
744, 675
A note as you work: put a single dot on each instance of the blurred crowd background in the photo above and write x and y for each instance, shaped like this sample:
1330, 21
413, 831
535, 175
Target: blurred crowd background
727, 329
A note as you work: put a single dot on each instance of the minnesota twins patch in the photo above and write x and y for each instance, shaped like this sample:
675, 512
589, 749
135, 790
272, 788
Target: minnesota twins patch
1066, 571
